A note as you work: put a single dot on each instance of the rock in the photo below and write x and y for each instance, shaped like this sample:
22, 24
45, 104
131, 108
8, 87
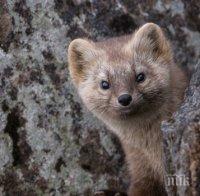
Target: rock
5, 24
49, 143
181, 143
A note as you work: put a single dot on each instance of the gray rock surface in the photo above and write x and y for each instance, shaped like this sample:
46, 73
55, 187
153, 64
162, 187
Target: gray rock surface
49, 143
182, 142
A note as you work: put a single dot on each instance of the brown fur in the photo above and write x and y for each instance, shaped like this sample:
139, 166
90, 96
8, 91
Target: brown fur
118, 60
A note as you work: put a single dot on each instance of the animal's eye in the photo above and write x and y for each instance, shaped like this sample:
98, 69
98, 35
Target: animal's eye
140, 77
104, 85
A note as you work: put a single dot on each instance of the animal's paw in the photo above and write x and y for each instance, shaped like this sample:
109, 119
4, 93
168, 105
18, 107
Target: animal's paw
109, 193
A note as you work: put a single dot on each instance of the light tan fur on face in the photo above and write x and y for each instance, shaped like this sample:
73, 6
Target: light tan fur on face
118, 61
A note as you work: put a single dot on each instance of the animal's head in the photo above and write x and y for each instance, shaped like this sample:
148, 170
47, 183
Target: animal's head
123, 76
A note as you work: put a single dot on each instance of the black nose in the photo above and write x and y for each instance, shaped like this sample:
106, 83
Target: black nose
125, 99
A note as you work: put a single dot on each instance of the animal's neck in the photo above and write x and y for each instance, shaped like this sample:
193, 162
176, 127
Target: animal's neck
143, 134
140, 135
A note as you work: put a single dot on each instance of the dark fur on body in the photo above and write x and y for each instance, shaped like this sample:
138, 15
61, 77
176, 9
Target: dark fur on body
118, 61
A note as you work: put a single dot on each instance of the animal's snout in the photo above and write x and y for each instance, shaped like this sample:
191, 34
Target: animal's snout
125, 99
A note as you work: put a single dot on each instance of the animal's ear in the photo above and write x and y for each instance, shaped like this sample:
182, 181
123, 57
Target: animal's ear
81, 53
150, 41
